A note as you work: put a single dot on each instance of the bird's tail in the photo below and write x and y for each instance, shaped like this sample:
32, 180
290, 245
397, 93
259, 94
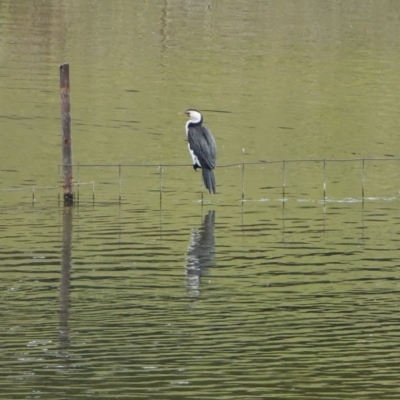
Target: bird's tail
209, 179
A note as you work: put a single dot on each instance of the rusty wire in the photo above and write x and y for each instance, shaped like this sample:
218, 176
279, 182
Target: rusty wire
260, 162
242, 165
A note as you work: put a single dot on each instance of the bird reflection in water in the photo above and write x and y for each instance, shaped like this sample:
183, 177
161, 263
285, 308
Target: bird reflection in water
200, 254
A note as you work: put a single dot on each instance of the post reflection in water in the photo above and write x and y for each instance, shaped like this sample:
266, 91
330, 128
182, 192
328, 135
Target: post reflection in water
65, 281
200, 254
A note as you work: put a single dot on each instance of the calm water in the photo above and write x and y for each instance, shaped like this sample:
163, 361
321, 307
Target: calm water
133, 294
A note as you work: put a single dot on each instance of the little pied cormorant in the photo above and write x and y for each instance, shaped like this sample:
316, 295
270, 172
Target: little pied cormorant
202, 148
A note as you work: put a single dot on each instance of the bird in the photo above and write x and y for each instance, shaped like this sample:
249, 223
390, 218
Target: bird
202, 147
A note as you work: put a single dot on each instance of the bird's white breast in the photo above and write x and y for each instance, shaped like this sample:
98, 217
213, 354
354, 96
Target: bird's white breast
194, 157
187, 128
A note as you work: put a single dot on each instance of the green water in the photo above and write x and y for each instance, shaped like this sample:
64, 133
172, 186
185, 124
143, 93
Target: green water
289, 294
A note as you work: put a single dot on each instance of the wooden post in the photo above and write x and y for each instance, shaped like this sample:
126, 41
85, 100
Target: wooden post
66, 136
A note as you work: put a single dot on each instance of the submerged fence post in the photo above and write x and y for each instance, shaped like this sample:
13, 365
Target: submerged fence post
66, 135
324, 183
363, 180
283, 180
242, 182
160, 168
119, 184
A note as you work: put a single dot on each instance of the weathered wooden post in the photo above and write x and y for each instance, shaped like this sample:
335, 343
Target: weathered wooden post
66, 135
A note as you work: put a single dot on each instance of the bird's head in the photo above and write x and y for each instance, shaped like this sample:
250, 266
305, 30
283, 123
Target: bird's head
194, 116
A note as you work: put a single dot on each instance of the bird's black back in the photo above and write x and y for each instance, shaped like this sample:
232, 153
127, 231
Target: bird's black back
203, 145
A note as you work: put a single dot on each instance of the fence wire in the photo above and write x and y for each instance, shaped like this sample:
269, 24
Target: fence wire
35, 188
260, 162
160, 167
242, 165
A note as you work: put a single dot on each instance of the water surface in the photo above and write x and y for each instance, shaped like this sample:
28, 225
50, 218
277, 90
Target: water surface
284, 284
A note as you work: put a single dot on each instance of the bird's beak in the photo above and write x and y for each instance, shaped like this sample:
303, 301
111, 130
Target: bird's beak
182, 114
